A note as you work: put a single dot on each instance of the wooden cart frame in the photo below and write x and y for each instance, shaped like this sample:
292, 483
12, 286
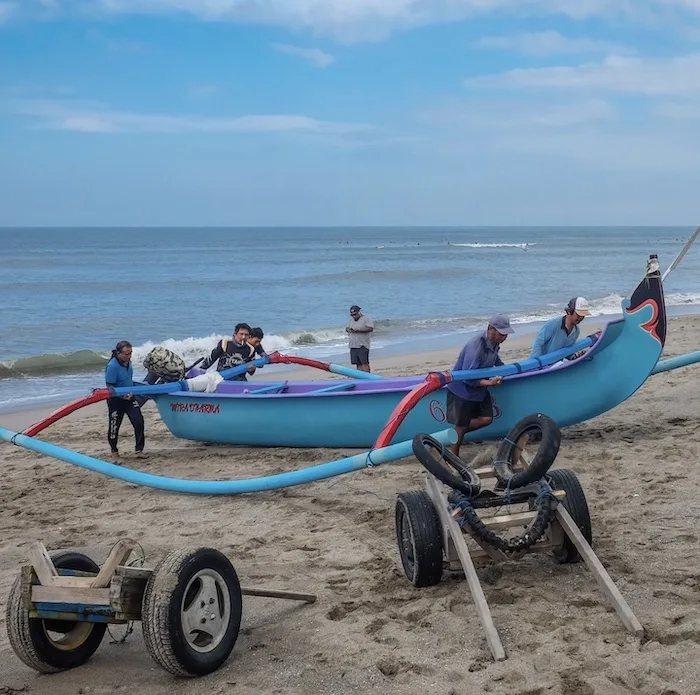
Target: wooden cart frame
459, 557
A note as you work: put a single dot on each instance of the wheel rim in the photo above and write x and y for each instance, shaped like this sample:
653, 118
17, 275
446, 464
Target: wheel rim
205, 612
72, 638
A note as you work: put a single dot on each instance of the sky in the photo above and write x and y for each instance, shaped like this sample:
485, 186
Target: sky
349, 112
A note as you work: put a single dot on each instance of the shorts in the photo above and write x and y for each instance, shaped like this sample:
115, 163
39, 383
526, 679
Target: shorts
359, 355
460, 412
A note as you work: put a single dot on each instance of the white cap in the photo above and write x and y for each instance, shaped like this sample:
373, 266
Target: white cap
580, 306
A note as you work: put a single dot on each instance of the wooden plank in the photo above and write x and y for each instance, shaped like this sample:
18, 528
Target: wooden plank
273, 593
482, 607
117, 556
42, 612
42, 563
73, 582
504, 521
133, 572
57, 594
628, 618
126, 594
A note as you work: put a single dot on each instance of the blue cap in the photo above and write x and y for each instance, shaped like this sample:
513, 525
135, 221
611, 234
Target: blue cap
501, 323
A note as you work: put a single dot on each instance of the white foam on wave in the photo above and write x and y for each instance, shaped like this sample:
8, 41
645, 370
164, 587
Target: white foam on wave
494, 245
191, 349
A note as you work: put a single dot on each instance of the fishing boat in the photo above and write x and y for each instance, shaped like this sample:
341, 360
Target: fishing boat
354, 413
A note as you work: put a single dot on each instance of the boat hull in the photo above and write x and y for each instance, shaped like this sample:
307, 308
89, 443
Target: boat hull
611, 371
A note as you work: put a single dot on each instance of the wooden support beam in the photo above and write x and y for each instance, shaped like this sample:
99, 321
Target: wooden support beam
42, 564
273, 593
117, 556
73, 595
482, 607
628, 618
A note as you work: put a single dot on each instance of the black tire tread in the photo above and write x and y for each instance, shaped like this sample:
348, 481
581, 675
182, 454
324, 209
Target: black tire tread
463, 479
426, 536
542, 461
575, 503
18, 623
155, 610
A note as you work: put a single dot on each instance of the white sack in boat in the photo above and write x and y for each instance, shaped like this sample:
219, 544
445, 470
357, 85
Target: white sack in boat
205, 382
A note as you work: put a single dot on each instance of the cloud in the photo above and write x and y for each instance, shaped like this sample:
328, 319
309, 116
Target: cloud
95, 117
314, 56
510, 114
688, 110
368, 19
7, 9
545, 43
203, 91
645, 76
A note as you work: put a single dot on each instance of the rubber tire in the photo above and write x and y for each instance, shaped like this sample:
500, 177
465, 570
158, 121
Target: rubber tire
27, 637
544, 458
467, 481
425, 537
575, 503
161, 618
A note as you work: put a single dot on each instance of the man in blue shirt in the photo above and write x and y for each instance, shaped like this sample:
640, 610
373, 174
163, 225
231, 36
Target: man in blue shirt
562, 332
469, 405
119, 373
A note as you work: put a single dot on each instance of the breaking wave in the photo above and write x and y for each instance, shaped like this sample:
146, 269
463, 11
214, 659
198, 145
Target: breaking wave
309, 342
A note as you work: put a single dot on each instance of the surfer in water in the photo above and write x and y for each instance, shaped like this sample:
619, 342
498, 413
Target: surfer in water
119, 373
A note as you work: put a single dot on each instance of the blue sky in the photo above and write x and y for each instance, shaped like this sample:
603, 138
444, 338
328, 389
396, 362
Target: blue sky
349, 112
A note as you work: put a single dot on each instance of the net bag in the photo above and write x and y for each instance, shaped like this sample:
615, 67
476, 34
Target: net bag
164, 364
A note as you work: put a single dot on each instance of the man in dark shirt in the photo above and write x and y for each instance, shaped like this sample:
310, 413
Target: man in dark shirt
469, 405
255, 341
232, 352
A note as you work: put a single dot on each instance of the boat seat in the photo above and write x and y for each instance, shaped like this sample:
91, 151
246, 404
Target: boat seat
272, 388
335, 387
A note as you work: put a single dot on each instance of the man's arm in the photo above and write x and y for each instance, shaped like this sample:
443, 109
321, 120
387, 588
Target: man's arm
471, 359
540, 341
215, 354
367, 327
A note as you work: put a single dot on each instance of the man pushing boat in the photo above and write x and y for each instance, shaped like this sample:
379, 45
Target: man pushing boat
231, 352
561, 332
469, 404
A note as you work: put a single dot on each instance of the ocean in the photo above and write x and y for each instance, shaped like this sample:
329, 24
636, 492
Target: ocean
68, 295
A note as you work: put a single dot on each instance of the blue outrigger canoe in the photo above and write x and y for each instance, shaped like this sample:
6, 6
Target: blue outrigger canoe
353, 412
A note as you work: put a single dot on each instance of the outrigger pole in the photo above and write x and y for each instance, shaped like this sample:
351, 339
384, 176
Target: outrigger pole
679, 257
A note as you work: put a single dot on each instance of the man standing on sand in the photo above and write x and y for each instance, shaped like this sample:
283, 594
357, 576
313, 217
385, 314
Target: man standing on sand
358, 329
469, 405
561, 332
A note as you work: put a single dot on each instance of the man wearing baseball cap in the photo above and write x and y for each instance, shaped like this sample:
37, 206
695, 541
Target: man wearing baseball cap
358, 329
469, 404
561, 332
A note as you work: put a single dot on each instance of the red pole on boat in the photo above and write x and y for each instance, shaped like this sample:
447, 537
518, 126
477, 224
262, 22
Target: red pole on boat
277, 358
433, 382
95, 397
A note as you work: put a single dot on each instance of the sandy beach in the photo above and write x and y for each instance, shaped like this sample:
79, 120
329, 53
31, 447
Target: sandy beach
371, 631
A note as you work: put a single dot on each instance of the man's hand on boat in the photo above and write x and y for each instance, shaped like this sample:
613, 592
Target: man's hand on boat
493, 381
